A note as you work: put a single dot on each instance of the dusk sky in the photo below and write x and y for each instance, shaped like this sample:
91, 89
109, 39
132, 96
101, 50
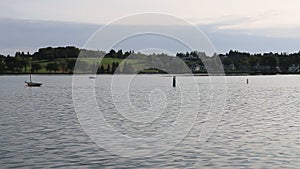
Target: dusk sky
232, 24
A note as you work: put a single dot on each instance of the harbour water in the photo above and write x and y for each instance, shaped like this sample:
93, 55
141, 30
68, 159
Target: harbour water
258, 128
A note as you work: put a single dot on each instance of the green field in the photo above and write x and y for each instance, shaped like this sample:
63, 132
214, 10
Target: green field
90, 61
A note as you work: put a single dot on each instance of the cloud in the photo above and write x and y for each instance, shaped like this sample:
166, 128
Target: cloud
250, 26
29, 35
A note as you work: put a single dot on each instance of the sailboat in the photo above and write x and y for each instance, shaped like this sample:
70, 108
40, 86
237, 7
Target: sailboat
32, 84
94, 71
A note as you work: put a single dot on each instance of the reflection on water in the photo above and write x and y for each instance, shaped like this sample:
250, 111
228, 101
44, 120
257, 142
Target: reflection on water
260, 127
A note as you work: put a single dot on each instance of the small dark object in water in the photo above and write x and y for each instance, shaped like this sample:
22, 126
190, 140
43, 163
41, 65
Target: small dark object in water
33, 84
174, 81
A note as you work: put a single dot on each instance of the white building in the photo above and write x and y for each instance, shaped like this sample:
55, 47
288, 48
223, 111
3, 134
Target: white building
294, 68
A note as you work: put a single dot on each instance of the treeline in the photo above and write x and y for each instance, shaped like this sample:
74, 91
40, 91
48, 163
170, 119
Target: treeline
243, 60
53, 60
112, 68
251, 63
50, 53
63, 59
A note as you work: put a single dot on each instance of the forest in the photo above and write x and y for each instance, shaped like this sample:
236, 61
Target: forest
63, 59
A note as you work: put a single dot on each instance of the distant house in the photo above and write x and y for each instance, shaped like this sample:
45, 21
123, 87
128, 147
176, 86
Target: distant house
278, 69
195, 67
198, 68
294, 68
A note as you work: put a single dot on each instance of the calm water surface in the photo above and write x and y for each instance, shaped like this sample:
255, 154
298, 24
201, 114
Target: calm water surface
260, 126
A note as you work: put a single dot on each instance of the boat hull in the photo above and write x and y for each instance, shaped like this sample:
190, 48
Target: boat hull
33, 84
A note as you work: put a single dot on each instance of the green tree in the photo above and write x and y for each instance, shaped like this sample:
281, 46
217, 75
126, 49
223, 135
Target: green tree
101, 70
71, 65
10, 63
52, 67
24, 63
35, 67
114, 67
2, 64
64, 64
108, 69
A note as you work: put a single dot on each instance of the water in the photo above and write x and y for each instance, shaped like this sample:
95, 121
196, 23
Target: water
259, 128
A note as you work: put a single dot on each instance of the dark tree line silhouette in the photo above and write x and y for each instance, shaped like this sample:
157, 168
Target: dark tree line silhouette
109, 69
246, 62
63, 59
50, 53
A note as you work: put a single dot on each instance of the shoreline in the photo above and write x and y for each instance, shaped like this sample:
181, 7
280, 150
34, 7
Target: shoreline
181, 74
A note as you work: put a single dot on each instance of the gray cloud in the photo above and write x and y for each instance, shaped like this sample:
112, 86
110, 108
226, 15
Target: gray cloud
29, 35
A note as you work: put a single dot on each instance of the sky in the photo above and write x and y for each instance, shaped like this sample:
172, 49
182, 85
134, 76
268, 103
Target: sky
245, 13
245, 20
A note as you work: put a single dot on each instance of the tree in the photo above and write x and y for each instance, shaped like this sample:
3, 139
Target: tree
108, 69
120, 54
71, 65
227, 61
18, 63
114, 67
63, 65
52, 67
50, 53
2, 64
111, 54
10, 63
253, 60
35, 67
49, 67
24, 63
101, 70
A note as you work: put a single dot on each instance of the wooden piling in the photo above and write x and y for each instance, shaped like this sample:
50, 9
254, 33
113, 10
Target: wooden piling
174, 81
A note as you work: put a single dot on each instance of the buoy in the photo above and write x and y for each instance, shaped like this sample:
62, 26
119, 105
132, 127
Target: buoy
174, 81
